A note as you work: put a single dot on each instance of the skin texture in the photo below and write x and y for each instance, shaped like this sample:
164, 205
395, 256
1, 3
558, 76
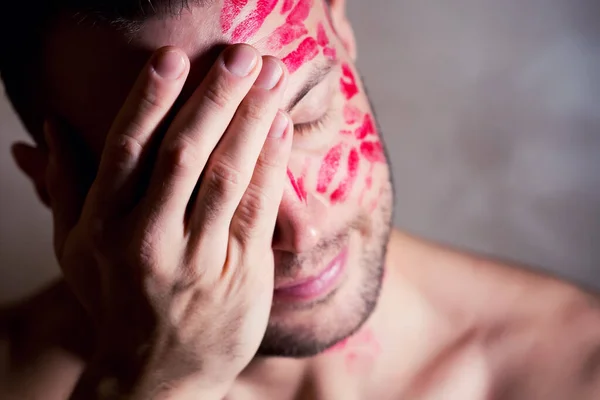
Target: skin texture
438, 323
330, 216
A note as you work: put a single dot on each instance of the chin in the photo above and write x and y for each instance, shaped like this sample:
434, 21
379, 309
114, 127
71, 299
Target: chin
305, 326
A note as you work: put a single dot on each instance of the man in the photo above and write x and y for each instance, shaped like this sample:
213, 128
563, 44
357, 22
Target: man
211, 250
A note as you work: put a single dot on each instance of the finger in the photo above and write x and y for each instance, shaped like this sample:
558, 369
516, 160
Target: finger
146, 107
254, 218
63, 183
231, 165
197, 129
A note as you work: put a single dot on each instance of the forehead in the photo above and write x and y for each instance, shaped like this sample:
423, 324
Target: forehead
90, 68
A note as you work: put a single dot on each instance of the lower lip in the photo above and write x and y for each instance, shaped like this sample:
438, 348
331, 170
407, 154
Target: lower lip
319, 286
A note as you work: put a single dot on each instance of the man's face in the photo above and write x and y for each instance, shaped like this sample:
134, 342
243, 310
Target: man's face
334, 219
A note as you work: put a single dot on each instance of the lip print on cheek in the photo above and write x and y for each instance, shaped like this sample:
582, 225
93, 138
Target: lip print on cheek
372, 151
298, 185
341, 193
329, 168
348, 82
367, 128
323, 41
351, 114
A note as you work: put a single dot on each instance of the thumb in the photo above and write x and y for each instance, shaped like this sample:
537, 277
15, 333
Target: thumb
63, 183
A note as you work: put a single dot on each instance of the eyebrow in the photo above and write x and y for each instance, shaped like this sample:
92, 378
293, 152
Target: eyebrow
316, 76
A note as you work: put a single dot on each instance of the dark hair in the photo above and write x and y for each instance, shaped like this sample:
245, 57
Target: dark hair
24, 23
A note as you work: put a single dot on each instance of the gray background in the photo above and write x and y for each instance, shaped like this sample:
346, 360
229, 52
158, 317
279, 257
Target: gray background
491, 111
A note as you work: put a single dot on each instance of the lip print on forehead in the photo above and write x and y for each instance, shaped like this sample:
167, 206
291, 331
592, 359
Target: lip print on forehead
291, 30
230, 11
287, 6
306, 51
248, 27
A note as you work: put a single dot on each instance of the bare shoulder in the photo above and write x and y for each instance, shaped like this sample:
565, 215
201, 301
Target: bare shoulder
43, 335
50, 317
536, 335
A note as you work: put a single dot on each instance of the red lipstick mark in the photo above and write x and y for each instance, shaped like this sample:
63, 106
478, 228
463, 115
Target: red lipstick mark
348, 82
322, 38
252, 24
351, 114
298, 186
372, 151
366, 128
293, 28
341, 193
230, 11
375, 201
306, 51
329, 167
368, 183
330, 53
369, 180
287, 6
300, 12
285, 35
358, 351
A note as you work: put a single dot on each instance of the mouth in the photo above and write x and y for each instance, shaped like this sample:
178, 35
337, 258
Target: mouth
316, 286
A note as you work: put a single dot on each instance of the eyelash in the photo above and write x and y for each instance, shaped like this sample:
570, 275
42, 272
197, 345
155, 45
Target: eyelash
308, 127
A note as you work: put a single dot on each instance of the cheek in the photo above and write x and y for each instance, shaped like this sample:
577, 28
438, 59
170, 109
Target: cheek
346, 171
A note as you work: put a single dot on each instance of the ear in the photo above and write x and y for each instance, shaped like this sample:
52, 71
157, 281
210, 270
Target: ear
33, 161
342, 26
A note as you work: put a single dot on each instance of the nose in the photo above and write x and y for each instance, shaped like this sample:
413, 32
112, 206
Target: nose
300, 224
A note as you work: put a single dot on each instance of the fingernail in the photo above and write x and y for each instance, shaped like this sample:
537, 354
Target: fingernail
169, 64
240, 60
279, 125
269, 75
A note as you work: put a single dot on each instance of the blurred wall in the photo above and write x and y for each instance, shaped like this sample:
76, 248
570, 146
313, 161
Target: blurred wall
491, 112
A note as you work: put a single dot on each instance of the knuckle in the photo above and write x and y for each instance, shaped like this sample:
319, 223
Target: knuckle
149, 98
180, 158
268, 162
97, 232
225, 175
123, 149
252, 110
252, 209
220, 182
217, 94
254, 204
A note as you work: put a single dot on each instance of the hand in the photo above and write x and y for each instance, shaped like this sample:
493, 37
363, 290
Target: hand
177, 271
